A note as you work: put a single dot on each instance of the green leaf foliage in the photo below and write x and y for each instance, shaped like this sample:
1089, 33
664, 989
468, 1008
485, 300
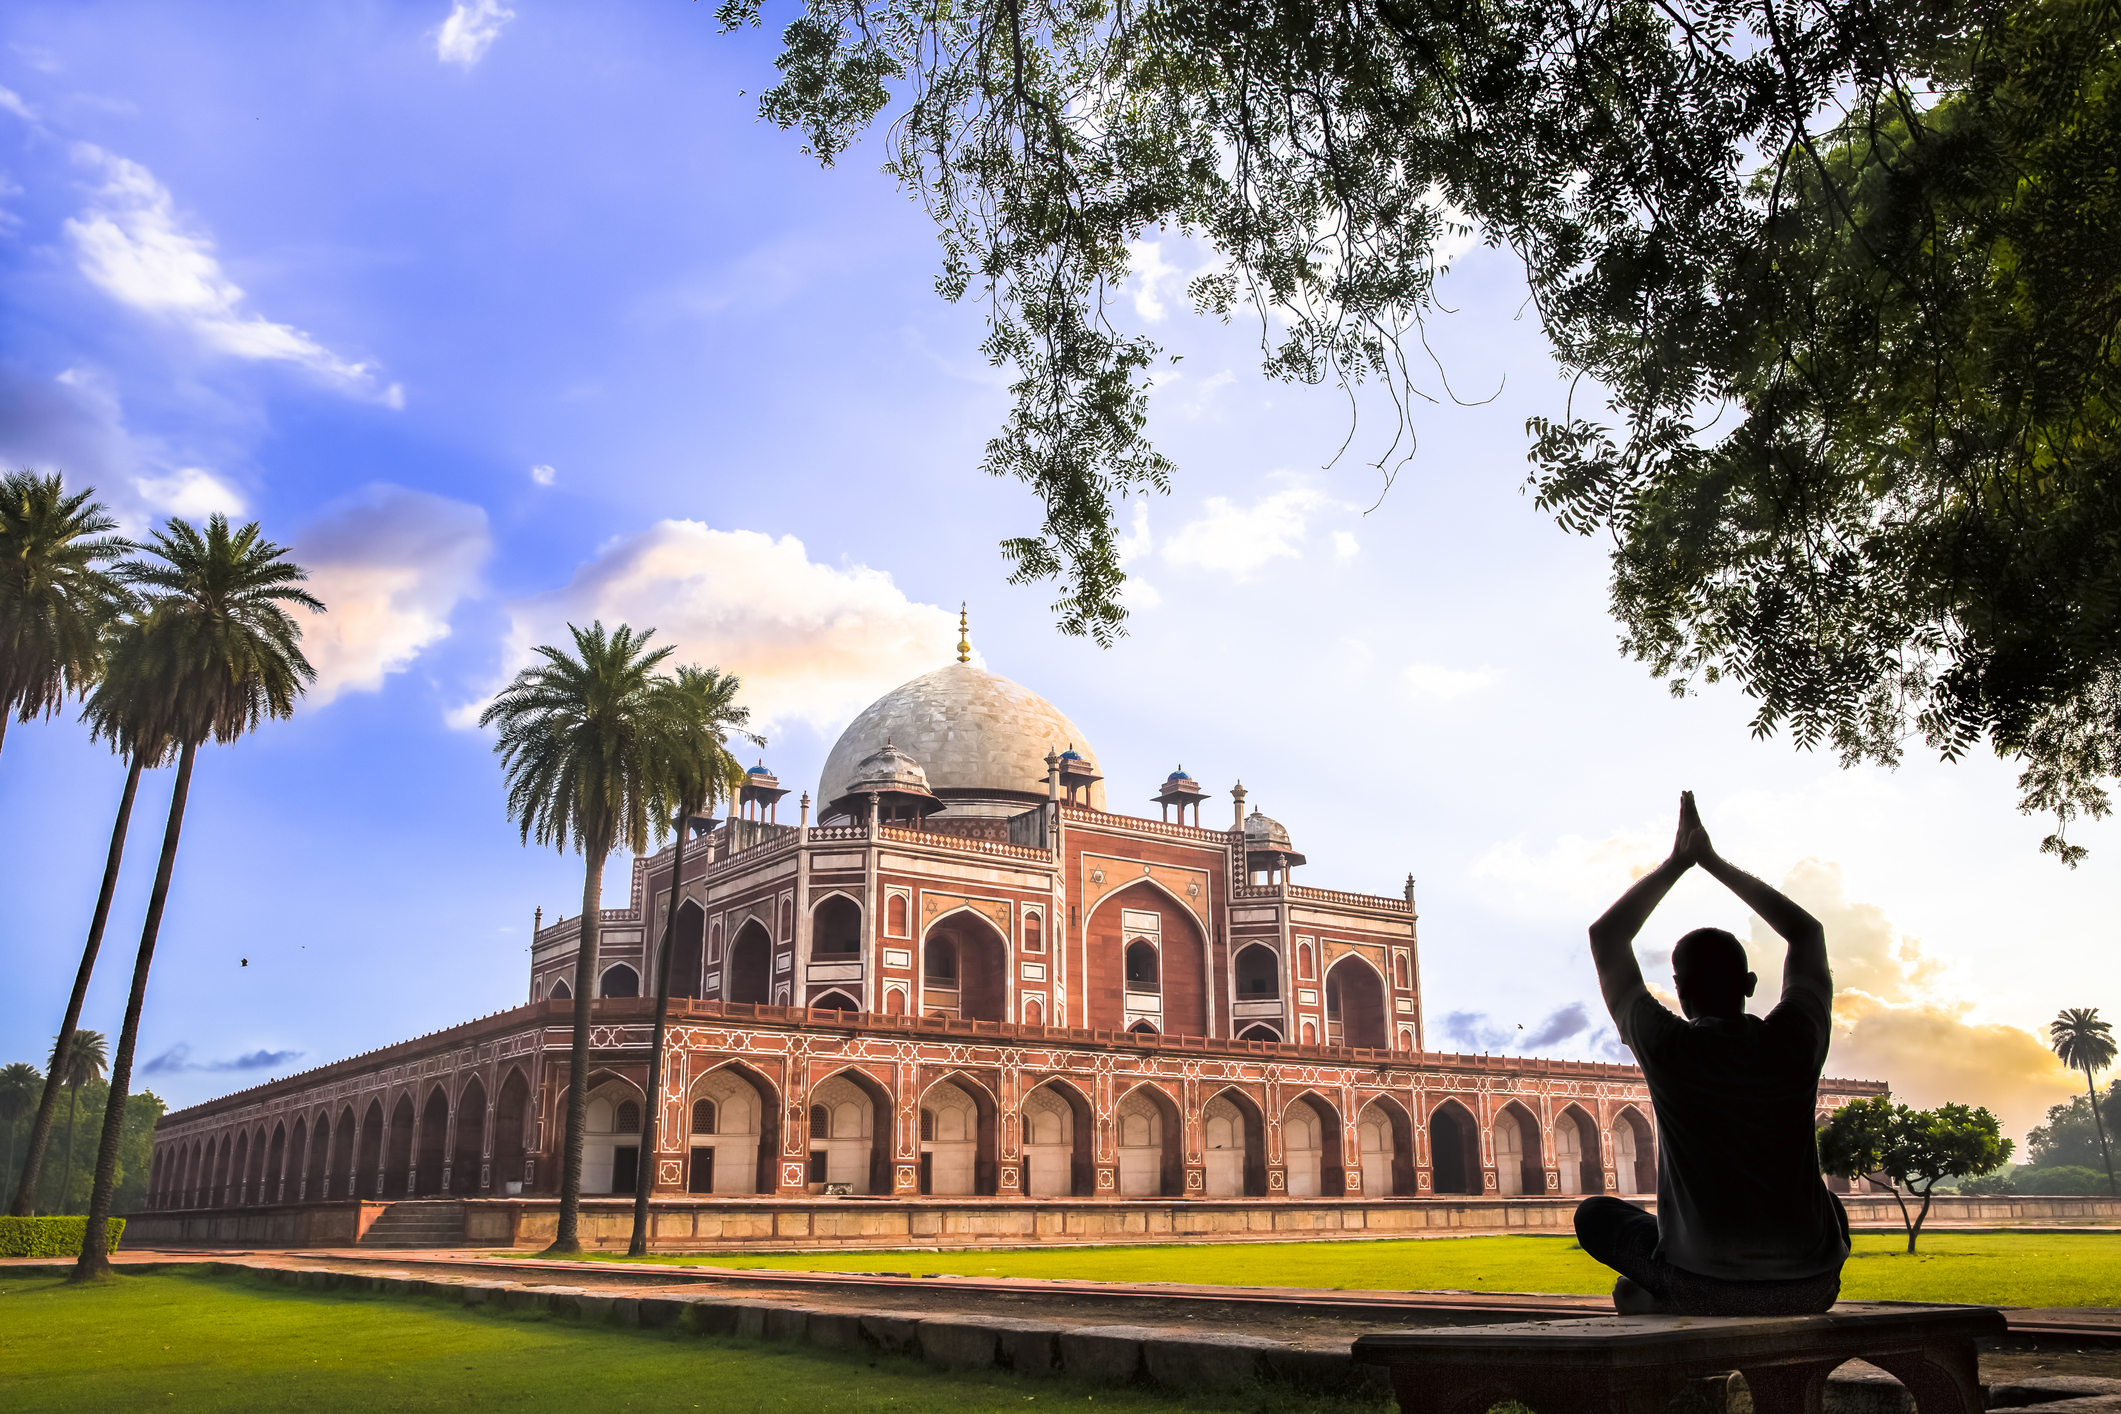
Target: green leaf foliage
1910, 1149
59, 592
2068, 1137
1843, 274
50, 1237
2061, 1180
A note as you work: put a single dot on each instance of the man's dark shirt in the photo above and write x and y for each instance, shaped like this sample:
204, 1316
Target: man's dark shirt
1738, 1190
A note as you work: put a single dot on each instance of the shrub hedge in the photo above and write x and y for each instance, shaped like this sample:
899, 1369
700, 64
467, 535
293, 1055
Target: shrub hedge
50, 1237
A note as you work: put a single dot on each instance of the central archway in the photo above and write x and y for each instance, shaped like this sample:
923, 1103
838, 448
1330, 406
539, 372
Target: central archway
959, 1127
1234, 1136
965, 969
1057, 1128
1355, 1005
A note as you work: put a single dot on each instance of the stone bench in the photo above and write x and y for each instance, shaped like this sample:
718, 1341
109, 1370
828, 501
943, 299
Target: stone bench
1639, 1364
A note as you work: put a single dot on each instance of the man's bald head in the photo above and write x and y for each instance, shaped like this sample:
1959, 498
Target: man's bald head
1708, 965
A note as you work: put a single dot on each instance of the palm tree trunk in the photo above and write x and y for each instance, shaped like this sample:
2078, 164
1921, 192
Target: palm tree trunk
2100, 1124
95, 1241
651, 1112
41, 1129
569, 1239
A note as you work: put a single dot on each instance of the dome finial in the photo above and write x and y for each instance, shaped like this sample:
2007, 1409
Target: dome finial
964, 635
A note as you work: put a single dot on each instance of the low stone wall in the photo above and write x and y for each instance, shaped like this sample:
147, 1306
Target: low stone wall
290, 1225
710, 1224
1868, 1208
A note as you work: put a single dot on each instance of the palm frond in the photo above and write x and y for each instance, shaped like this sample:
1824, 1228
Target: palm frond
60, 590
2082, 1040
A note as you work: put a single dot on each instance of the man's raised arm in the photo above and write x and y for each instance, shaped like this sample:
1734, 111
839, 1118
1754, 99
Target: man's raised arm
1613, 935
1806, 959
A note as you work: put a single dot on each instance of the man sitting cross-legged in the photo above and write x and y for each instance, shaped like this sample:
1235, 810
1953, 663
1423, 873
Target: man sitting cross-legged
1744, 1225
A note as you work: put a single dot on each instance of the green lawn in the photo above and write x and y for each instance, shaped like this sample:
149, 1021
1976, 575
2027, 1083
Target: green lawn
2004, 1269
175, 1341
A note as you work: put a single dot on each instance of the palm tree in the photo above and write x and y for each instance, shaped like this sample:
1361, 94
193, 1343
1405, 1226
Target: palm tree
698, 774
582, 743
114, 713
216, 654
77, 1059
19, 1081
2086, 1043
55, 601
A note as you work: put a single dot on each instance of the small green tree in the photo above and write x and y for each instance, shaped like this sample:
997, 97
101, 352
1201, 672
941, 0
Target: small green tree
1910, 1150
76, 1061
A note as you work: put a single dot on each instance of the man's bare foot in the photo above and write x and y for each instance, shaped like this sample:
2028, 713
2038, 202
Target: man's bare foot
1632, 1299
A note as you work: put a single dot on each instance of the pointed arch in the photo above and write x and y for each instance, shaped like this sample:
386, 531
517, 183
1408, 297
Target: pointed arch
619, 980
470, 1150
979, 1139
1454, 1149
239, 1185
275, 1164
560, 992
688, 950
1520, 1166
1234, 1136
1388, 1167
1331, 1178
1634, 1151
747, 1140
836, 925
1058, 1139
1158, 974
1577, 1155
428, 1149
1357, 1004
873, 1154
1151, 1145
835, 1000
511, 1131
747, 973
397, 1164
964, 967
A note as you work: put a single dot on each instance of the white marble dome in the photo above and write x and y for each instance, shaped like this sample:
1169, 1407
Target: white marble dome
971, 732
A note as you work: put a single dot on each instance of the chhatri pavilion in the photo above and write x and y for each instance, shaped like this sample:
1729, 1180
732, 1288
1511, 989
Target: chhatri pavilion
969, 981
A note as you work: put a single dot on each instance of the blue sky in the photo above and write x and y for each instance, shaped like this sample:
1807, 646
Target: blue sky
508, 316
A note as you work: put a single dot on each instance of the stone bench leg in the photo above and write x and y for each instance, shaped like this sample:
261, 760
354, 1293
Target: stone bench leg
1945, 1379
1790, 1389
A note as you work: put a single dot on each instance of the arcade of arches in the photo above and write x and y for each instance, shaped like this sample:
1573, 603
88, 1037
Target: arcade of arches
733, 1135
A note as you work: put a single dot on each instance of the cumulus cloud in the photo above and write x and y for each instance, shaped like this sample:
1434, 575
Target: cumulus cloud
1434, 683
543, 475
192, 492
390, 565
470, 30
177, 1059
130, 243
813, 643
1906, 1015
1147, 272
1239, 539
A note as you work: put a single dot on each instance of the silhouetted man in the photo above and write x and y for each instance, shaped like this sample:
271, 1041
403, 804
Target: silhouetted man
1744, 1226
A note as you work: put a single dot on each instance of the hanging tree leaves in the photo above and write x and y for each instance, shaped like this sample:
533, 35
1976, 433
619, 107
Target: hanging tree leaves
1842, 272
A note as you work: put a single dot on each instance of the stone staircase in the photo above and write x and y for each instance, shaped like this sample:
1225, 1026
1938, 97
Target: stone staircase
422, 1222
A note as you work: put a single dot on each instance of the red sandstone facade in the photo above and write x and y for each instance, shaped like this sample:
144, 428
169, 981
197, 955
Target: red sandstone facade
968, 981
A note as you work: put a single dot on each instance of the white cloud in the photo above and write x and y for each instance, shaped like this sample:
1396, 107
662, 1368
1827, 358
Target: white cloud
1910, 1016
11, 102
812, 643
1147, 270
192, 492
544, 475
390, 566
1239, 539
1435, 683
470, 30
1345, 546
130, 243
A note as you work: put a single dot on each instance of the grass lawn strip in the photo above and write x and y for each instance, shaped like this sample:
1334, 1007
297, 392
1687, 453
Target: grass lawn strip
191, 1342
1999, 1268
